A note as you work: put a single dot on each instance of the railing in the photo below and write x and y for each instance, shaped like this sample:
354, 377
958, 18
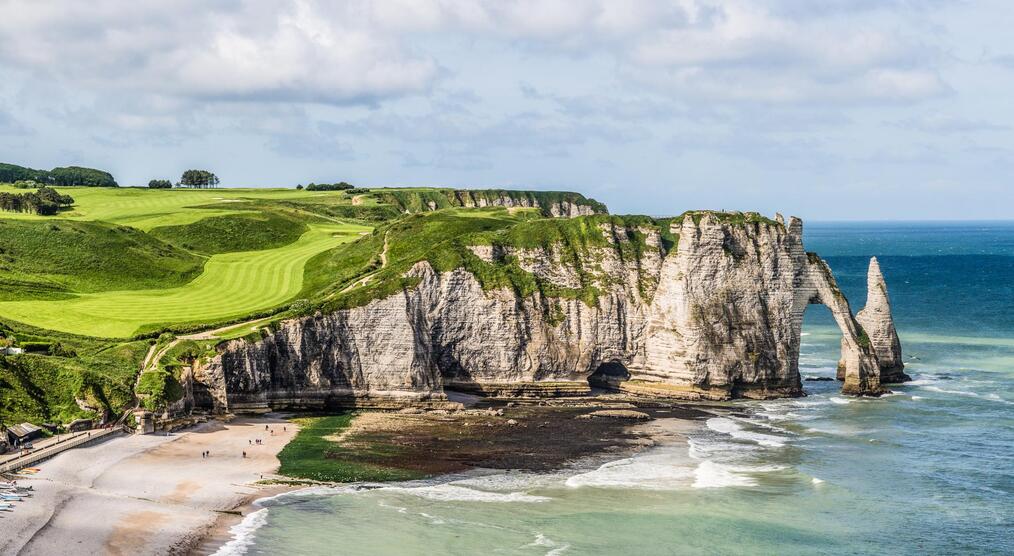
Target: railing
26, 460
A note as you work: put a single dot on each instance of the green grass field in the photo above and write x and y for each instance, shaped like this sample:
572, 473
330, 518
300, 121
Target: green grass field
232, 285
146, 209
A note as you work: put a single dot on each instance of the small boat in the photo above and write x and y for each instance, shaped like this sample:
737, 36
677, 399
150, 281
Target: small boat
10, 498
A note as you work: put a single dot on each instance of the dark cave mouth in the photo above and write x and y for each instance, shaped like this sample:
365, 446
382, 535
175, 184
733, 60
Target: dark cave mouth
609, 375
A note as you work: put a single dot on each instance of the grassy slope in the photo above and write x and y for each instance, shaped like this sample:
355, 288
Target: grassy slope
232, 285
232, 233
442, 239
42, 388
53, 258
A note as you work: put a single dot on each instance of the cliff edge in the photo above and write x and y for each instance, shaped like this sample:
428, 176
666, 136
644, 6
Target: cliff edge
705, 306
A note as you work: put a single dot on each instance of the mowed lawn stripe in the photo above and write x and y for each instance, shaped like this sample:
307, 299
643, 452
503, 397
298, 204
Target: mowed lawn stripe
232, 285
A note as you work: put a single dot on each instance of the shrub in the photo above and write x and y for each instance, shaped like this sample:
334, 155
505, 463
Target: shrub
159, 389
301, 306
340, 186
160, 184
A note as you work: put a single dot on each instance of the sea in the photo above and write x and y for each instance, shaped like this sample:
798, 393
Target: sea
928, 469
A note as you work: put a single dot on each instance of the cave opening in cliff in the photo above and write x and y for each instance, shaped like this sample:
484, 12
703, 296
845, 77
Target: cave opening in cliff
609, 375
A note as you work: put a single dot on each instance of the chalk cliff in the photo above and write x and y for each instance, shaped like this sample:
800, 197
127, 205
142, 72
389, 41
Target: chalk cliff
708, 307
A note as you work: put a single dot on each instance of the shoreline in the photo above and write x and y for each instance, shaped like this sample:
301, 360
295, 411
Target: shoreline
145, 494
158, 494
623, 438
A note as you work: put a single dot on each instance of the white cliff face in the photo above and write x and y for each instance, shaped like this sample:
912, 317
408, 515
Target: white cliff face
717, 316
878, 323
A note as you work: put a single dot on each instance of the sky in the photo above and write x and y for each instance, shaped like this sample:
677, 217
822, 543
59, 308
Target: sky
828, 110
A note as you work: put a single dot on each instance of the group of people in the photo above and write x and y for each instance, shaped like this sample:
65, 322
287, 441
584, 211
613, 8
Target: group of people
255, 441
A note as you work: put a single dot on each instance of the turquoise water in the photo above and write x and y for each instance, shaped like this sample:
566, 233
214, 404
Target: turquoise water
928, 470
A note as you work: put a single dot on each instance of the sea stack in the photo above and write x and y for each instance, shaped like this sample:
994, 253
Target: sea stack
878, 323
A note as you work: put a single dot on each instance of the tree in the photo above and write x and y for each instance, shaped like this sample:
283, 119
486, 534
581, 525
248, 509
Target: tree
160, 184
199, 179
67, 176
340, 186
46, 201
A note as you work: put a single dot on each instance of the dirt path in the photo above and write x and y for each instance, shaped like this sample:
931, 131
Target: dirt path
366, 279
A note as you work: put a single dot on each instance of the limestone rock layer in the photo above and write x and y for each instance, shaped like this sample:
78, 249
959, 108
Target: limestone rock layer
717, 315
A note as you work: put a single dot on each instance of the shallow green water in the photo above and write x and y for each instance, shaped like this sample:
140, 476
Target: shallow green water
929, 469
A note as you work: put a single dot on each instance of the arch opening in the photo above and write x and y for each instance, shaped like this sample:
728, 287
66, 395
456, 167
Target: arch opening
819, 356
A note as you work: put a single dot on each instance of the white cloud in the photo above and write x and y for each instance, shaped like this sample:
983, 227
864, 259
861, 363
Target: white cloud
358, 51
238, 50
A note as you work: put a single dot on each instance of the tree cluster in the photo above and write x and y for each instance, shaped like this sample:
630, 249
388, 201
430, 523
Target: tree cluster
340, 186
45, 201
358, 190
76, 175
67, 176
198, 179
160, 184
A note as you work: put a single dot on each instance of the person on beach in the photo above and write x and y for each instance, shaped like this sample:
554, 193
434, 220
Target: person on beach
244, 455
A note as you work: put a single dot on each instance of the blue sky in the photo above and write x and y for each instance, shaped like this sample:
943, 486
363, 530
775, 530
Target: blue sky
869, 109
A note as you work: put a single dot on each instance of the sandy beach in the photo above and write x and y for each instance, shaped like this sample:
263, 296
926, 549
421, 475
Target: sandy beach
144, 494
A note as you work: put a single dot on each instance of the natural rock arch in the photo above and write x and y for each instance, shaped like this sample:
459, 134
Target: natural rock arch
863, 356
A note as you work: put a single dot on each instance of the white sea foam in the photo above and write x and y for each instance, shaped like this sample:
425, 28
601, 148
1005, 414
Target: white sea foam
454, 493
710, 474
545, 542
955, 392
665, 470
305, 492
727, 426
433, 519
840, 401
399, 509
921, 382
243, 534
817, 481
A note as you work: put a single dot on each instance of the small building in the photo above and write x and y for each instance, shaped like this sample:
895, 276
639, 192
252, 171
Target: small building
79, 425
18, 435
13, 350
